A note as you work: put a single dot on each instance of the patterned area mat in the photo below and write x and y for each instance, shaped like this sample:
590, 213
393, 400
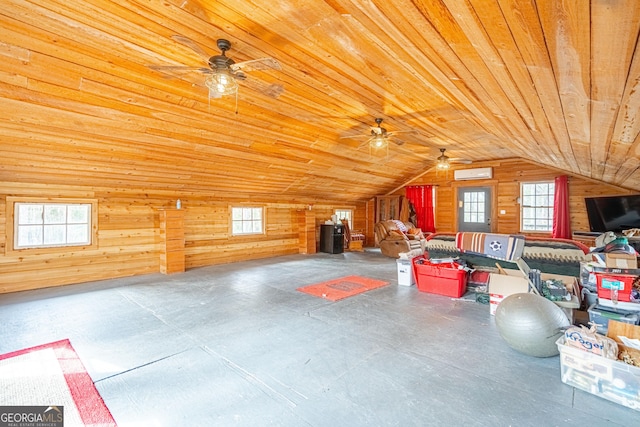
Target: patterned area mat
343, 287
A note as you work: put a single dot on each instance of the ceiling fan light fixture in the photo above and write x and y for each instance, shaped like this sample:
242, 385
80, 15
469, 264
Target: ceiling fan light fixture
443, 161
221, 83
378, 141
443, 164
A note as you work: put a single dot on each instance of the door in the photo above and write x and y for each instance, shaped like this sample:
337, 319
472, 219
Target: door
474, 209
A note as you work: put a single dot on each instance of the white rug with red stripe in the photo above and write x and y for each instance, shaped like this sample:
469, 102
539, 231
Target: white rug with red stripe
52, 375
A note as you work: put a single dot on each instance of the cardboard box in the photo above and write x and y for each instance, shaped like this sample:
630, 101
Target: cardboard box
571, 283
503, 285
613, 260
621, 332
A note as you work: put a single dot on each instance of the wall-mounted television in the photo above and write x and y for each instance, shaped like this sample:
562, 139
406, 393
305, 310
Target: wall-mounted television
613, 213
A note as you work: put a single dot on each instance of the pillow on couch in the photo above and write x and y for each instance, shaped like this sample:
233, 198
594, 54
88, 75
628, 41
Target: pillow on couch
416, 233
400, 225
396, 235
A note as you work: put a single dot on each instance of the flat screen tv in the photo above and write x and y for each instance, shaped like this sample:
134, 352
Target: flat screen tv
613, 213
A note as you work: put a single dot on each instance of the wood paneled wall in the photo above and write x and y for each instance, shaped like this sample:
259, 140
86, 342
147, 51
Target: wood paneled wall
128, 225
129, 240
507, 176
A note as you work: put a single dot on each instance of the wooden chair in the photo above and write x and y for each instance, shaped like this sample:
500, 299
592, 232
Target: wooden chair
353, 240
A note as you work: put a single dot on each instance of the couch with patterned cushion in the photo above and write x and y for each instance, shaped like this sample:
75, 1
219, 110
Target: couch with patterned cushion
395, 237
549, 255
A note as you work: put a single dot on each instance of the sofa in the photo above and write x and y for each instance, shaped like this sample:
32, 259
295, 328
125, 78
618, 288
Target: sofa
395, 237
549, 255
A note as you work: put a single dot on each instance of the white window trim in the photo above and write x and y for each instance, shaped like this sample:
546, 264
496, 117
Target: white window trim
350, 218
253, 233
522, 206
11, 225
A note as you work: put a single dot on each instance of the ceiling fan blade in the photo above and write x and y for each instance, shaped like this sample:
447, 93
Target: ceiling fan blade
272, 90
186, 41
459, 160
364, 144
357, 136
179, 68
193, 75
256, 65
401, 131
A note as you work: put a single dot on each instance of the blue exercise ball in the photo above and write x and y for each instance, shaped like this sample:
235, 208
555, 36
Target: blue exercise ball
531, 324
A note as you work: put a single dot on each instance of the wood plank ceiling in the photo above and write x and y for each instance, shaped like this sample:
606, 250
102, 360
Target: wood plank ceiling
552, 81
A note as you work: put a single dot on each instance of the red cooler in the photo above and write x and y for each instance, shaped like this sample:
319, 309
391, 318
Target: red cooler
444, 278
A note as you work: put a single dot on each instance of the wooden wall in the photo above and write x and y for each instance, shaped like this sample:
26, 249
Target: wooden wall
129, 240
128, 225
507, 176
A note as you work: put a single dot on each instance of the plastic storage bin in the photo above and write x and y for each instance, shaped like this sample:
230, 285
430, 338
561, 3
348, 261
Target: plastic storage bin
601, 315
439, 278
609, 283
610, 379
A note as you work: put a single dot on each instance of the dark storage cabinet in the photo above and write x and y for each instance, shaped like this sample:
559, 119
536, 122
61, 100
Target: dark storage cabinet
332, 238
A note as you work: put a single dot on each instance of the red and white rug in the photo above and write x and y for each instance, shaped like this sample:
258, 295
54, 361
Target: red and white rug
53, 375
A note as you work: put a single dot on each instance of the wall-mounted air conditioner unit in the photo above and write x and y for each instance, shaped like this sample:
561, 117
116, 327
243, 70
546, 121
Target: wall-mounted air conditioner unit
469, 174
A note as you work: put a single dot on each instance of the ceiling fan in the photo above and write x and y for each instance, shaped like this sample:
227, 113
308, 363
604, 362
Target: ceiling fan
222, 75
378, 137
444, 162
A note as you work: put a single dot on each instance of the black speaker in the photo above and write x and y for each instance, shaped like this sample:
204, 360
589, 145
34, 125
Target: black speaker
332, 238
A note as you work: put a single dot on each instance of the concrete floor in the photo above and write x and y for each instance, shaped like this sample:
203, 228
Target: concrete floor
238, 345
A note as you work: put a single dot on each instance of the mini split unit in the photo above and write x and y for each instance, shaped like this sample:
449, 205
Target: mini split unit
470, 174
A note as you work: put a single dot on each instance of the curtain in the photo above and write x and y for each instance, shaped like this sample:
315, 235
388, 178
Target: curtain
421, 197
561, 218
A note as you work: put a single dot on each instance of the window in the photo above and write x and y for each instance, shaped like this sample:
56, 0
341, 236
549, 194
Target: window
537, 206
474, 206
246, 221
51, 224
345, 213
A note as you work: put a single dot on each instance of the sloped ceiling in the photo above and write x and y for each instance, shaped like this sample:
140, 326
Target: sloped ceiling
553, 82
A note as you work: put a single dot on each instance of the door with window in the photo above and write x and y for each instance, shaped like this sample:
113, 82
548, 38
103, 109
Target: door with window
474, 209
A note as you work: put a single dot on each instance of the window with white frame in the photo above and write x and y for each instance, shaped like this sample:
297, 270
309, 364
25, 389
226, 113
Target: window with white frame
474, 206
247, 220
46, 225
537, 206
345, 213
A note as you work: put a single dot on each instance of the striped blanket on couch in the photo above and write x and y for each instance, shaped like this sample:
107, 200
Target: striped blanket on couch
505, 247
